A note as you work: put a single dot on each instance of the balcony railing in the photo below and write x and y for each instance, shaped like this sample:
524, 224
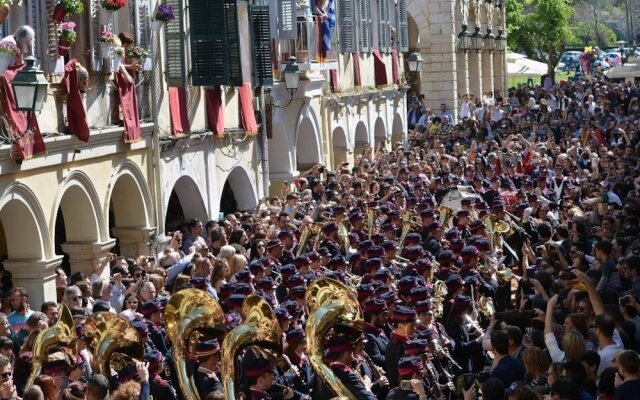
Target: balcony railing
307, 48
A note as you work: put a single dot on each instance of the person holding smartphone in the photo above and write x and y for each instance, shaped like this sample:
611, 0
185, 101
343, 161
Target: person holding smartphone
411, 385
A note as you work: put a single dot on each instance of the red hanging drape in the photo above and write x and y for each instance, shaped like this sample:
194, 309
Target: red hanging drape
357, 79
76, 114
178, 110
395, 75
28, 144
333, 76
247, 115
129, 104
380, 69
215, 110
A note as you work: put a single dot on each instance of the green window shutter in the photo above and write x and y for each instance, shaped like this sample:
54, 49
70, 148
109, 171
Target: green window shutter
208, 55
403, 26
260, 30
383, 26
174, 43
232, 42
345, 12
287, 25
364, 25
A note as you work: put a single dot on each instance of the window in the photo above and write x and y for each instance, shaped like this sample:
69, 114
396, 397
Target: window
261, 32
345, 15
175, 67
383, 26
402, 29
364, 25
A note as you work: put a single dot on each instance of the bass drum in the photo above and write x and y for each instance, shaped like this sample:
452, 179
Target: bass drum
454, 196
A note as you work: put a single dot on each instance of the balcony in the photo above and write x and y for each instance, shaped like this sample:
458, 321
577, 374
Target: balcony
307, 48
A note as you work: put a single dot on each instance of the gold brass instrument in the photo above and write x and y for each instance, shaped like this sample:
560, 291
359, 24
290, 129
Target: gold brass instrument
329, 303
486, 271
61, 334
308, 232
505, 276
445, 215
107, 334
188, 315
495, 228
260, 327
343, 234
372, 214
406, 228
485, 306
439, 293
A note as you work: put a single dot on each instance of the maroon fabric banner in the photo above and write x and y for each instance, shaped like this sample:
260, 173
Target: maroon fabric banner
76, 114
178, 110
395, 75
28, 144
333, 75
246, 110
357, 78
129, 104
215, 110
380, 69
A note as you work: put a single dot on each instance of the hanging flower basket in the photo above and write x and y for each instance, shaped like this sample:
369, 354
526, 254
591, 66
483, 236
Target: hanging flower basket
63, 47
58, 14
156, 25
105, 51
116, 63
104, 16
4, 12
8, 52
67, 36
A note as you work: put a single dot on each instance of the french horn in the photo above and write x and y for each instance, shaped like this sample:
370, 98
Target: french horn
108, 334
330, 304
190, 314
61, 334
260, 327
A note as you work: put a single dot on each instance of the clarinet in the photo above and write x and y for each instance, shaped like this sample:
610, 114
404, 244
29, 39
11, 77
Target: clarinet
376, 371
434, 386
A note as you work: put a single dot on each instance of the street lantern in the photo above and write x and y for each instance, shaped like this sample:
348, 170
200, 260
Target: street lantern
476, 40
29, 87
621, 44
291, 76
501, 41
415, 62
464, 39
489, 40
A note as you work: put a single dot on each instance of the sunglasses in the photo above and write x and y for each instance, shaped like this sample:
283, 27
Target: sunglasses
6, 375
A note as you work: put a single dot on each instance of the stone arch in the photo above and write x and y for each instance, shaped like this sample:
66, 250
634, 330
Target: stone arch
78, 201
360, 138
339, 139
308, 152
418, 16
397, 130
131, 197
379, 132
19, 207
280, 146
186, 196
238, 192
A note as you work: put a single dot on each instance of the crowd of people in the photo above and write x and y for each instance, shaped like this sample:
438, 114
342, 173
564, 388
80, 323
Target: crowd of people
493, 256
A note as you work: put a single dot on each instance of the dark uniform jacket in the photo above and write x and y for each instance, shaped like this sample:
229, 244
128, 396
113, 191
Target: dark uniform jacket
376, 345
258, 395
399, 394
352, 382
206, 382
332, 246
395, 351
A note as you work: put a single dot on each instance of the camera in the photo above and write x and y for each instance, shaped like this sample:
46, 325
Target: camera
321, 169
465, 381
623, 301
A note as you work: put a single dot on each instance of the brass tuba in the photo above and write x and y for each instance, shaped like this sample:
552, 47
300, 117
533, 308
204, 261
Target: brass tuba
188, 314
329, 304
445, 215
495, 228
439, 293
62, 334
108, 334
260, 327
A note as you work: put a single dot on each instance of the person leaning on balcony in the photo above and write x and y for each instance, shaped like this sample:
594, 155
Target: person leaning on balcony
127, 43
23, 39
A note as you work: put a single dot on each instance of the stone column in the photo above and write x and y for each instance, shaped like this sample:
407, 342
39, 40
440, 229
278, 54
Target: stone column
475, 73
38, 277
487, 71
134, 241
463, 73
90, 258
499, 78
439, 70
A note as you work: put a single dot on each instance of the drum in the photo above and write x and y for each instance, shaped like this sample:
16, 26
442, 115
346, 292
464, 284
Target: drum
454, 196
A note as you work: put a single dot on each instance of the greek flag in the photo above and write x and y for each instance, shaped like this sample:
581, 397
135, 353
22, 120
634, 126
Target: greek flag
329, 25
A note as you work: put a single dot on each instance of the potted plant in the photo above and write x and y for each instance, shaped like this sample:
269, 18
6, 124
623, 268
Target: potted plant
118, 52
65, 7
107, 7
137, 54
8, 52
108, 40
164, 13
67, 37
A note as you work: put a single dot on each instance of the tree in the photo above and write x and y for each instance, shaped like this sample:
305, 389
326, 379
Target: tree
541, 29
584, 34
